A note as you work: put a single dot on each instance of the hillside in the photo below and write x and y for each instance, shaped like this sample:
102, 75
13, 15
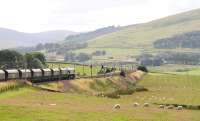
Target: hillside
83, 37
11, 38
143, 35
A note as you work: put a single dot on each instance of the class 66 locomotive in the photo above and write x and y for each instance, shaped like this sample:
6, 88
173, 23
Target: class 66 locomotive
38, 75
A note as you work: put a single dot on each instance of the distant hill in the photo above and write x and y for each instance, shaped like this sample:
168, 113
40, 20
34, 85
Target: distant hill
144, 35
83, 37
11, 38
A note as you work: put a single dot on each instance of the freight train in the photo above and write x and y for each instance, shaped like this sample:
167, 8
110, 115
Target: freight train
38, 75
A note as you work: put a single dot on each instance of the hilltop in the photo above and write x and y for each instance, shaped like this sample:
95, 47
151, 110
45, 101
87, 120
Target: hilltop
11, 38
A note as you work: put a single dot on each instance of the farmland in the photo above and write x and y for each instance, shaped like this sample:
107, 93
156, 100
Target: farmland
37, 105
80, 69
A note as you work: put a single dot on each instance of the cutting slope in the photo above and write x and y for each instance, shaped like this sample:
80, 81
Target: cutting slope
143, 35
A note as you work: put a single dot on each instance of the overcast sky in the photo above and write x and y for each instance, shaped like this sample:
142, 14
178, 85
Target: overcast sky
84, 15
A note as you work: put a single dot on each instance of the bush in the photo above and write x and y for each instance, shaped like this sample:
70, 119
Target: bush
142, 68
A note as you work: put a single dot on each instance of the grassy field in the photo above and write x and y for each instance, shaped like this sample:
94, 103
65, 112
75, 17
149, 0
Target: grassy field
177, 69
37, 105
80, 70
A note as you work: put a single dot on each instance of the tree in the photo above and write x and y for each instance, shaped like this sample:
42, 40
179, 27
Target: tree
35, 60
142, 68
82, 57
70, 57
39, 56
10, 59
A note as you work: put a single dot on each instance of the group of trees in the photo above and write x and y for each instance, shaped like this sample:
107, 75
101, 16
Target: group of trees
10, 59
169, 58
150, 60
187, 40
99, 53
81, 57
59, 49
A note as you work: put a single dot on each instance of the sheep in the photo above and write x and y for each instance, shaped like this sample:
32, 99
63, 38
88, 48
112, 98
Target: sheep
170, 107
179, 108
161, 106
146, 105
136, 104
117, 106
52, 104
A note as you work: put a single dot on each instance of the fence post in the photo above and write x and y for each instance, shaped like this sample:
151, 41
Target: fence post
91, 70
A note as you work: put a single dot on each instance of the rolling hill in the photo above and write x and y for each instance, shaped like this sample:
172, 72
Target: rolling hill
143, 35
11, 38
83, 37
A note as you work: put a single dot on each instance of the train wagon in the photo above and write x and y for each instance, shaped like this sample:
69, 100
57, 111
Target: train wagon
64, 73
12, 74
2, 75
47, 74
56, 73
25, 74
36, 75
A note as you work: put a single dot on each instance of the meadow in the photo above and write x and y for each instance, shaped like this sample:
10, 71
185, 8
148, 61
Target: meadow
80, 69
29, 104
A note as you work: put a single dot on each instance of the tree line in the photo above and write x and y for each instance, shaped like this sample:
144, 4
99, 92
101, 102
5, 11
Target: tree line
58, 48
82, 57
186, 40
169, 58
10, 59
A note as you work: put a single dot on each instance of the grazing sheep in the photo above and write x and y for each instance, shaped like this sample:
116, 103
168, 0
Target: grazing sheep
146, 104
52, 104
170, 107
136, 104
180, 108
117, 106
162, 106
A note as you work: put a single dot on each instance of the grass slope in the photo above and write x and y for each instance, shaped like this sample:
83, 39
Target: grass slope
36, 105
143, 35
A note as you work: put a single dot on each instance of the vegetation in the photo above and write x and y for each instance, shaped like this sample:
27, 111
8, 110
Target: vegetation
10, 59
10, 85
35, 60
142, 68
186, 40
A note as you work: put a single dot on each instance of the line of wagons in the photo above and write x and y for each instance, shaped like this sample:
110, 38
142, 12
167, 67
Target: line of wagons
38, 75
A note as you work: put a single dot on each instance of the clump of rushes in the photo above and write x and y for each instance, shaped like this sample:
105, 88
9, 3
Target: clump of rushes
9, 85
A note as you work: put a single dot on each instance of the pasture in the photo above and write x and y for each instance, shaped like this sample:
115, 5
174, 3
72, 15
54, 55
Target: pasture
80, 69
29, 104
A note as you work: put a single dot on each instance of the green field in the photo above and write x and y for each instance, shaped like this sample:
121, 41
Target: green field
28, 104
80, 69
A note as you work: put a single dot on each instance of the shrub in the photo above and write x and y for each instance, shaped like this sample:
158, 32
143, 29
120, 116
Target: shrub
142, 68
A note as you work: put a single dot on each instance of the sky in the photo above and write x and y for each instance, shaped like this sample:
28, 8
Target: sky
85, 15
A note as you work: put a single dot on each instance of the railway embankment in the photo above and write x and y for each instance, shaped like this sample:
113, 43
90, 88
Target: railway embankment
104, 86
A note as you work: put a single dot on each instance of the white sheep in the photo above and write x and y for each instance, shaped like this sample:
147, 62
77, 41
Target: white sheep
146, 105
117, 106
180, 108
136, 104
161, 106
